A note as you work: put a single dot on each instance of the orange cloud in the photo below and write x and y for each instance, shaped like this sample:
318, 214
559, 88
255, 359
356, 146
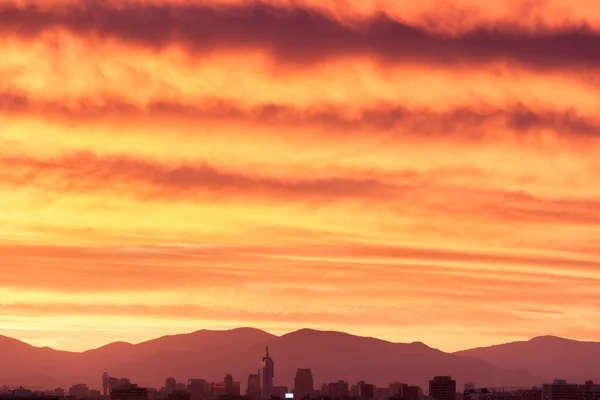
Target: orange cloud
308, 156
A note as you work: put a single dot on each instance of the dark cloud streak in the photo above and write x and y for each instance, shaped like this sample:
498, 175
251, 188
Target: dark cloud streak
303, 35
380, 118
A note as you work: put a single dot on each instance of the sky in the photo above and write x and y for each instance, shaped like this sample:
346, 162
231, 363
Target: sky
410, 170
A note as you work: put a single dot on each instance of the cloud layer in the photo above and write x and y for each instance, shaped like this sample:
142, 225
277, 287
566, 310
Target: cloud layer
177, 166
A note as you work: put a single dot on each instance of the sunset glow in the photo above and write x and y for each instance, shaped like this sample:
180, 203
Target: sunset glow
410, 170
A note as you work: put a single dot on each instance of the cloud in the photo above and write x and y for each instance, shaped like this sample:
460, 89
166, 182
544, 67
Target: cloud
88, 172
303, 35
383, 119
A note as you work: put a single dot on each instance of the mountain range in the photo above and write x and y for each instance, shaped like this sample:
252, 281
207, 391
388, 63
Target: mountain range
331, 356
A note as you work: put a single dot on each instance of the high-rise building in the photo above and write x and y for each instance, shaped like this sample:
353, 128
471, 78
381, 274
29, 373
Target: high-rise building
170, 384
105, 383
413, 393
219, 389
442, 388
397, 389
366, 391
303, 383
339, 389
79, 391
228, 384
196, 388
253, 387
280, 391
590, 391
266, 375
561, 390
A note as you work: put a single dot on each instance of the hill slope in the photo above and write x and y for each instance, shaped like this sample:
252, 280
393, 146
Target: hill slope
546, 356
212, 354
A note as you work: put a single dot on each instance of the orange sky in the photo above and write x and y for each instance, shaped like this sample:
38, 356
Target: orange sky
416, 171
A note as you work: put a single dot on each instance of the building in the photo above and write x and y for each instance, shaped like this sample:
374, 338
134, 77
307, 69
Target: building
219, 389
266, 376
413, 393
531, 394
253, 386
442, 388
303, 383
339, 389
382, 393
178, 394
228, 384
170, 384
280, 391
23, 394
397, 389
561, 390
80, 391
590, 391
105, 384
118, 383
196, 388
133, 392
470, 386
366, 391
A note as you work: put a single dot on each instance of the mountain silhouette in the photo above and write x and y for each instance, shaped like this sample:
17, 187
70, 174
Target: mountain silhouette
546, 356
212, 354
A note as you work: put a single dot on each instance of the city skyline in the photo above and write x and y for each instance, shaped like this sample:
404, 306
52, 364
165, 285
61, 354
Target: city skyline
308, 358
412, 170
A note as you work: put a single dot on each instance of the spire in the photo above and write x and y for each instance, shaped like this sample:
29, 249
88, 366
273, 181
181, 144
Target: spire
267, 352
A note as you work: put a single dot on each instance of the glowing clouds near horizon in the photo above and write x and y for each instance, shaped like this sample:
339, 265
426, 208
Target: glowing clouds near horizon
171, 166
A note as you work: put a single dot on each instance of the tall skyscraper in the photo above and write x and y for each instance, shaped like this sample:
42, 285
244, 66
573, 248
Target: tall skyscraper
266, 374
105, 383
442, 388
228, 384
303, 383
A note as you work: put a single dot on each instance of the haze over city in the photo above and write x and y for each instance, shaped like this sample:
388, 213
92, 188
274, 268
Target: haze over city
413, 179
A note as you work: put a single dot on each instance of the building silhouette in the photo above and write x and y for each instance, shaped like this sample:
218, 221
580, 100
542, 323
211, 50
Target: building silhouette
590, 391
303, 383
339, 389
266, 374
196, 388
132, 392
366, 391
170, 384
178, 394
253, 386
442, 388
279, 392
219, 389
561, 390
105, 383
397, 389
531, 394
413, 393
79, 391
